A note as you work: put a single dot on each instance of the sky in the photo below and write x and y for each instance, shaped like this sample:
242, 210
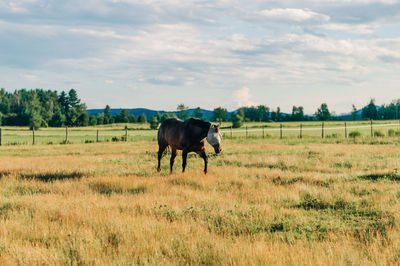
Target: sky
159, 53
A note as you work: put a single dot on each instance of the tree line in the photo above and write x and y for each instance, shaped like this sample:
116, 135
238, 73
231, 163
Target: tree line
43, 108
262, 113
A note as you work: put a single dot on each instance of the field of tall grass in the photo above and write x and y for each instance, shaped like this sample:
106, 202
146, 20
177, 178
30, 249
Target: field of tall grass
310, 131
263, 201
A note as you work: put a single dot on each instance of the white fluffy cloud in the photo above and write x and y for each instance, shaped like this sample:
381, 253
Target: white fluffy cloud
243, 97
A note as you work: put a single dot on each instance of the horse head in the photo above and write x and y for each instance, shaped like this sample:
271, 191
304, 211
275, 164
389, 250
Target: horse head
214, 138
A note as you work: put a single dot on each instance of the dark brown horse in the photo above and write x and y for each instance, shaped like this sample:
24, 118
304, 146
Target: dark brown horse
188, 136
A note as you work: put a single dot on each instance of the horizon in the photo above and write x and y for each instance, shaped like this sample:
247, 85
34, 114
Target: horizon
209, 53
229, 110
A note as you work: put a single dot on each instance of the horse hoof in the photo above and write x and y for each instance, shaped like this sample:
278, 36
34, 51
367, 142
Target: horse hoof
158, 169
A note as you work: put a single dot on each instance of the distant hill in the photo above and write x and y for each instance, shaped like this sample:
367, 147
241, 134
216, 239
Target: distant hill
207, 114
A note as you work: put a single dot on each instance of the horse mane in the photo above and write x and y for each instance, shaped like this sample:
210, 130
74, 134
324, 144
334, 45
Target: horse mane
199, 123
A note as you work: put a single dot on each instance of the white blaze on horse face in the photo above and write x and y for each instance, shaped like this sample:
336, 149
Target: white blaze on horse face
213, 137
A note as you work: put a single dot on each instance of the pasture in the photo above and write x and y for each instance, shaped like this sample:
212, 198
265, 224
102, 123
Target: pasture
334, 131
264, 201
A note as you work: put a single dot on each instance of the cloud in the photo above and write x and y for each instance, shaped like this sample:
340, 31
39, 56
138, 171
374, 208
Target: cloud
357, 29
243, 97
296, 49
291, 15
29, 77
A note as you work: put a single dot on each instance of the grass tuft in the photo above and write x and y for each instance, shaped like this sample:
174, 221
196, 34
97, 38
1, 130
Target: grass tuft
52, 176
383, 176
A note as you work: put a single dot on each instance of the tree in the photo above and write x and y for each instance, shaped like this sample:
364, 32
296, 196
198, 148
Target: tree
63, 101
83, 116
73, 100
323, 113
1, 118
297, 113
181, 107
4, 103
33, 112
278, 115
92, 120
354, 112
220, 114
122, 117
370, 111
273, 116
166, 116
142, 118
198, 113
57, 120
158, 115
132, 118
237, 120
154, 122
100, 119
250, 113
35, 120
72, 117
262, 113
83, 119
107, 115
183, 114
26, 107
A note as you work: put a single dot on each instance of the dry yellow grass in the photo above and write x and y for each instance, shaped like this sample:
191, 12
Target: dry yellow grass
260, 203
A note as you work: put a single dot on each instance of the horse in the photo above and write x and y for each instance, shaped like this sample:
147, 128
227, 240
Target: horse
187, 136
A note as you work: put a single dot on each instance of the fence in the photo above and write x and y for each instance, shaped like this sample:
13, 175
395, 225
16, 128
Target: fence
15, 136
301, 130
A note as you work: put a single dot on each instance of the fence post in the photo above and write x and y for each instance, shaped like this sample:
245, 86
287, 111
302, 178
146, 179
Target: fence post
263, 131
345, 130
372, 133
126, 133
301, 130
0, 136
322, 130
66, 135
33, 135
246, 132
97, 135
231, 132
281, 132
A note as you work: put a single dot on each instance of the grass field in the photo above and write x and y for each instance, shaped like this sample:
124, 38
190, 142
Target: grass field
136, 132
264, 201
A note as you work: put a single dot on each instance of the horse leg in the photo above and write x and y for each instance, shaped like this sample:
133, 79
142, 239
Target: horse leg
173, 155
203, 155
184, 157
161, 149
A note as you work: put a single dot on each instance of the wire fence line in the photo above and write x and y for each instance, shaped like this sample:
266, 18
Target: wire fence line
299, 130
307, 128
16, 136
